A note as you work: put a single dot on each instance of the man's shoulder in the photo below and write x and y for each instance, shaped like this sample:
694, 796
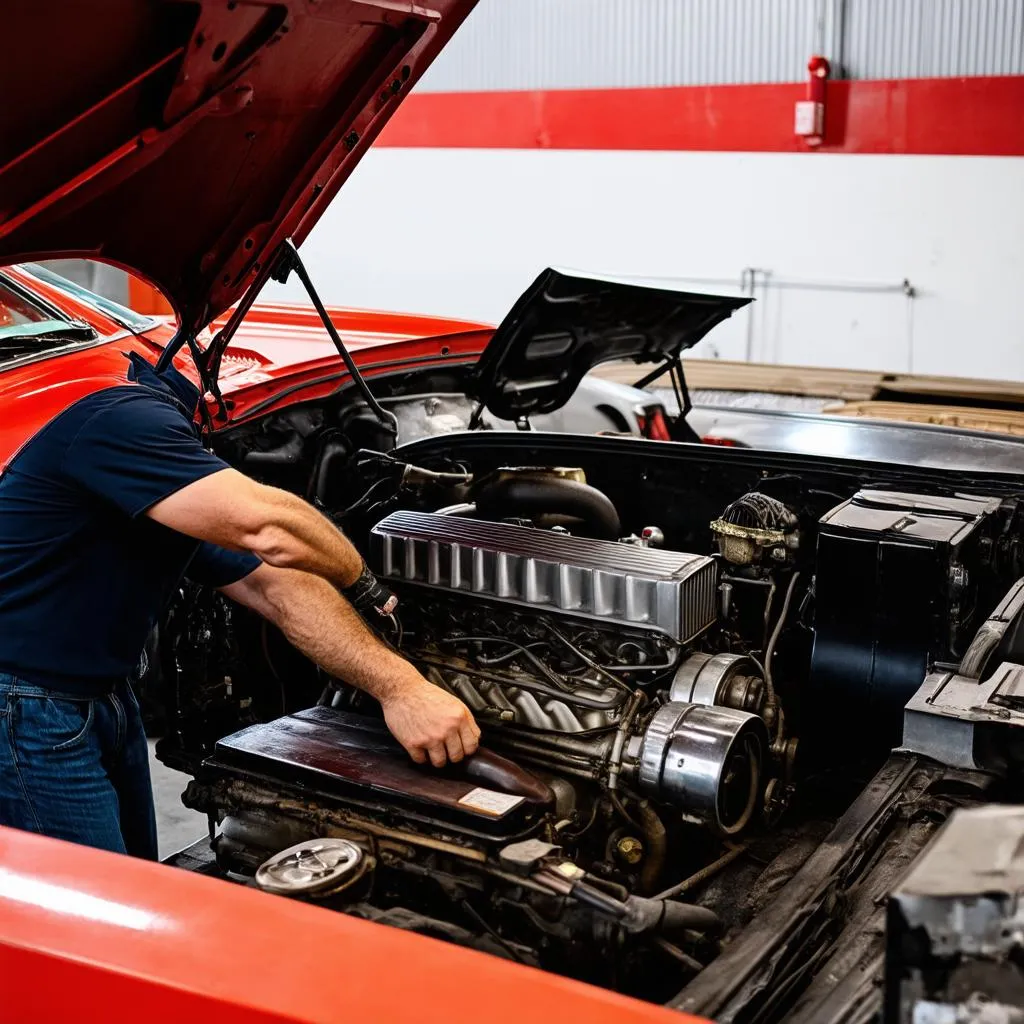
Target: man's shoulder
127, 394
116, 407
121, 411
68, 424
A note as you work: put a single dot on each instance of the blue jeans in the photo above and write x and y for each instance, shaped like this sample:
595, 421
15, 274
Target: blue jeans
76, 768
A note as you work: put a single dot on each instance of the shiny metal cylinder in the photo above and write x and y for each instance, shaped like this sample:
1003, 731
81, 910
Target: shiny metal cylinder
705, 761
729, 680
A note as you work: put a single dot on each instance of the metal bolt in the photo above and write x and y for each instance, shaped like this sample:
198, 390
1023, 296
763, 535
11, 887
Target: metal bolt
652, 537
958, 577
630, 850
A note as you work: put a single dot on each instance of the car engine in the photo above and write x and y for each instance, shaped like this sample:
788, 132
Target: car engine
642, 710
629, 738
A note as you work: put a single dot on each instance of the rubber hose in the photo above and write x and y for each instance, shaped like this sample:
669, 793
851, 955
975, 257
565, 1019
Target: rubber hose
333, 452
526, 497
655, 847
682, 916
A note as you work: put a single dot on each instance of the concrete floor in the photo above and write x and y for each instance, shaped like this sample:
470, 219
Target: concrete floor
176, 825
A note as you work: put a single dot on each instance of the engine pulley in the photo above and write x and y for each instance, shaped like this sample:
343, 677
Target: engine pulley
705, 760
729, 680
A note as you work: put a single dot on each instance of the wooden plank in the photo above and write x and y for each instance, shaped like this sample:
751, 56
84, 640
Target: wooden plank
724, 375
1000, 421
822, 382
1009, 391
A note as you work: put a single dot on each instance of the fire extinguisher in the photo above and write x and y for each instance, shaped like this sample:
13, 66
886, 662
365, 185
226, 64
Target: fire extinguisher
810, 111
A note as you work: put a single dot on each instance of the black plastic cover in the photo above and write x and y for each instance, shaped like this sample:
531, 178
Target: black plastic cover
893, 593
352, 760
564, 326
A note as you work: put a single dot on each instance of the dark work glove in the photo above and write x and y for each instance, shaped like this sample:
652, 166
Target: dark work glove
368, 595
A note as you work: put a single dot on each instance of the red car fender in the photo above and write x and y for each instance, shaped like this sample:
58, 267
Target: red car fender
90, 935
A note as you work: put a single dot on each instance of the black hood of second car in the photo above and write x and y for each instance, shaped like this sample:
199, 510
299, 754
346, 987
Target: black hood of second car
563, 326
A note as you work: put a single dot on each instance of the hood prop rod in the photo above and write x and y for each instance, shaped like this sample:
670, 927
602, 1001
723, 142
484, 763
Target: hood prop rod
674, 368
208, 363
290, 260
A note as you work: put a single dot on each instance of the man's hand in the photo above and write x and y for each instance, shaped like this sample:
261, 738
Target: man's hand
426, 720
431, 723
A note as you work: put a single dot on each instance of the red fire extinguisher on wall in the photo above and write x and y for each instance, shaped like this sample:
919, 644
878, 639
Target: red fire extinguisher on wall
810, 112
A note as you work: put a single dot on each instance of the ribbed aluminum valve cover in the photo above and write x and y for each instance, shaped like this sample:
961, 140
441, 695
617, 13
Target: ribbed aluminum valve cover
619, 584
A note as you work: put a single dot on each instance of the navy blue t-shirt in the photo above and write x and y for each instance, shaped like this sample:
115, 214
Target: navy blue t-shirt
84, 574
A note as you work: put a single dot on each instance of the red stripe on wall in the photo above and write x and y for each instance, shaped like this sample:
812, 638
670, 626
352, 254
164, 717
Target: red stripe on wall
959, 116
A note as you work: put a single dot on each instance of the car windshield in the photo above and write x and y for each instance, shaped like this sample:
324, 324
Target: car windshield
115, 310
29, 328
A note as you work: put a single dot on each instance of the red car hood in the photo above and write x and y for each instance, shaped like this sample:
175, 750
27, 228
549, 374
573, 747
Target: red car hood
282, 337
282, 342
186, 140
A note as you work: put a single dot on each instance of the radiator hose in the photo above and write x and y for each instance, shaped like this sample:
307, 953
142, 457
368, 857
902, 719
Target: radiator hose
535, 496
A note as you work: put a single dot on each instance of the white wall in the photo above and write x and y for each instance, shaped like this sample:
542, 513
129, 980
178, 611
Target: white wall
463, 232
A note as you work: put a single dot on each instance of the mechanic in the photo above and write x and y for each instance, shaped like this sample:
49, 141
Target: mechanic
101, 515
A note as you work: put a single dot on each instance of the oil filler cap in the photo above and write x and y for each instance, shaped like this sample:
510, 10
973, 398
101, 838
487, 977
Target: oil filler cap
316, 867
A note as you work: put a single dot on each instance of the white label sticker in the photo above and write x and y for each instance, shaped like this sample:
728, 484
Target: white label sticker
490, 801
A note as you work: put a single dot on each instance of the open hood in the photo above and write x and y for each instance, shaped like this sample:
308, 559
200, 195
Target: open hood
563, 326
186, 140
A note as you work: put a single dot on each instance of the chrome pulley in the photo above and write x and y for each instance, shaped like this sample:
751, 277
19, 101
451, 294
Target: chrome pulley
706, 761
315, 868
728, 680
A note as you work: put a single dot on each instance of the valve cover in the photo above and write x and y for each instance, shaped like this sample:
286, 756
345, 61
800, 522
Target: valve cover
671, 592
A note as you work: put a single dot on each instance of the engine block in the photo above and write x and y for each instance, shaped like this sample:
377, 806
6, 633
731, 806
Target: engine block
670, 592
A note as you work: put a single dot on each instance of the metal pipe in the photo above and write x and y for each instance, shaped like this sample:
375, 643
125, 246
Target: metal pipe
677, 954
290, 254
655, 846
767, 614
770, 649
549, 495
705, 873
619, 743
552, 759
904, 287
593, 748
566, 697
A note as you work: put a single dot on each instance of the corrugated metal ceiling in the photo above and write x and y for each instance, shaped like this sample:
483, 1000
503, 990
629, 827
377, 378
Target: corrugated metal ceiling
565, 44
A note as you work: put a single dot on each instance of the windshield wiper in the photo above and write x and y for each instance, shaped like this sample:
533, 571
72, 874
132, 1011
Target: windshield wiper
50, 330
44, 337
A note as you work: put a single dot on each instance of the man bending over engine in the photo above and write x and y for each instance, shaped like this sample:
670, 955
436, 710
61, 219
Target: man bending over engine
101, 515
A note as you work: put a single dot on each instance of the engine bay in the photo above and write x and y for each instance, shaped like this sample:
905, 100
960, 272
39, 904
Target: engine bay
686, 665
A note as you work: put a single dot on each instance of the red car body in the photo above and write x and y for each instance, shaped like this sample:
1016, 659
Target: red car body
93, 936
187, 142
279, 348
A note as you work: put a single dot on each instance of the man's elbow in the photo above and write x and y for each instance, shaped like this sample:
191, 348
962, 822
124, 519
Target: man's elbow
263, 526
272, 544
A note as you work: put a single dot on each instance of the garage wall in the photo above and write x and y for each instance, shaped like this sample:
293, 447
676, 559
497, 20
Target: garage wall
654, 138
464, 231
